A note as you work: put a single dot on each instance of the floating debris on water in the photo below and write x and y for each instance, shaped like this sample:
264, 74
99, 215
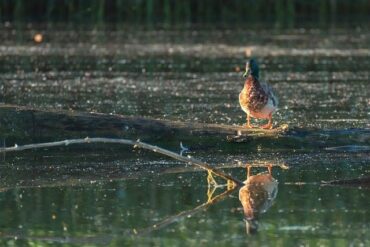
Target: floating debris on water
349, 148
38, 38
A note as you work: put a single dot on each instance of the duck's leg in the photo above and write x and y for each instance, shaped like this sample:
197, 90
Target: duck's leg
210, 192
212, 186
269, 124
269, 167
249, 122
248, 170
210, 180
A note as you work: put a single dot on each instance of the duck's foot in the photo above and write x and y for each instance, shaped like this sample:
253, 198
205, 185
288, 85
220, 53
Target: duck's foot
269, 124
266, 126
248, 126
230, 185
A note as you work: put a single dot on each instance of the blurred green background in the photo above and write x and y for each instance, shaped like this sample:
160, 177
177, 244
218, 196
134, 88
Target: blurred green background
285, 13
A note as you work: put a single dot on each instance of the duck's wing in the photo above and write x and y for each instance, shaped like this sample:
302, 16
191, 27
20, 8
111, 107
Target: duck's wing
270, 92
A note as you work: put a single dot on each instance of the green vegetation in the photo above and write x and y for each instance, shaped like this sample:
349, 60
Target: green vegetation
171, 12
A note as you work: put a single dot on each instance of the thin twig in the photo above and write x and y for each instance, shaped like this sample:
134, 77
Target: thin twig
137, 143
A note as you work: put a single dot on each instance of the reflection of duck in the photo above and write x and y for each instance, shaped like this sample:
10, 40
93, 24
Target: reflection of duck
257, 99
257, 196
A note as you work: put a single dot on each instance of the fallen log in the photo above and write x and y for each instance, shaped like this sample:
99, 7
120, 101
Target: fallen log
38, 123
22, 124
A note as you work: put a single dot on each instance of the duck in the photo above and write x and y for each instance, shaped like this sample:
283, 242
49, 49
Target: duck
257, 196
257, 98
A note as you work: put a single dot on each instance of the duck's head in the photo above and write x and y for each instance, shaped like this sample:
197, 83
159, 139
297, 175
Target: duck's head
251, 68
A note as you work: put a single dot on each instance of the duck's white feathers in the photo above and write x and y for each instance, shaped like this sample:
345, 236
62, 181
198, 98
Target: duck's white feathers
270, 92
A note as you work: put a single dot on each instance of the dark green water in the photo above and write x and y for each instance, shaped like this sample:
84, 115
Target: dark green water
109, 195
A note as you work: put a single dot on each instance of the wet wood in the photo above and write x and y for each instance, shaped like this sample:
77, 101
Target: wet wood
36, 121
244, 136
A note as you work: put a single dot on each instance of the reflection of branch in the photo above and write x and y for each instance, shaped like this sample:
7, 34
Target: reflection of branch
183, 214
98, 240
137, 143
107, 239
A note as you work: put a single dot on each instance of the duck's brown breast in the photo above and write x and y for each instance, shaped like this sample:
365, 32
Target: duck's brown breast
253, 97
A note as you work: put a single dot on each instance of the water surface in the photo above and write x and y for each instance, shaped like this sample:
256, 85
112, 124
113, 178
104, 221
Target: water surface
104, 194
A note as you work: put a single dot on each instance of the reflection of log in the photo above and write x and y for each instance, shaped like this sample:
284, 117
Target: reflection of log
27, 237
45, 180
41, 123
363, 182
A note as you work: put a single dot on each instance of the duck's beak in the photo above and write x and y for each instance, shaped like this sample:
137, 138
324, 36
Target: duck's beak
246, 73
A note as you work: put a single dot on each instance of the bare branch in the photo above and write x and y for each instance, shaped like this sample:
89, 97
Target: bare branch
137, 143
